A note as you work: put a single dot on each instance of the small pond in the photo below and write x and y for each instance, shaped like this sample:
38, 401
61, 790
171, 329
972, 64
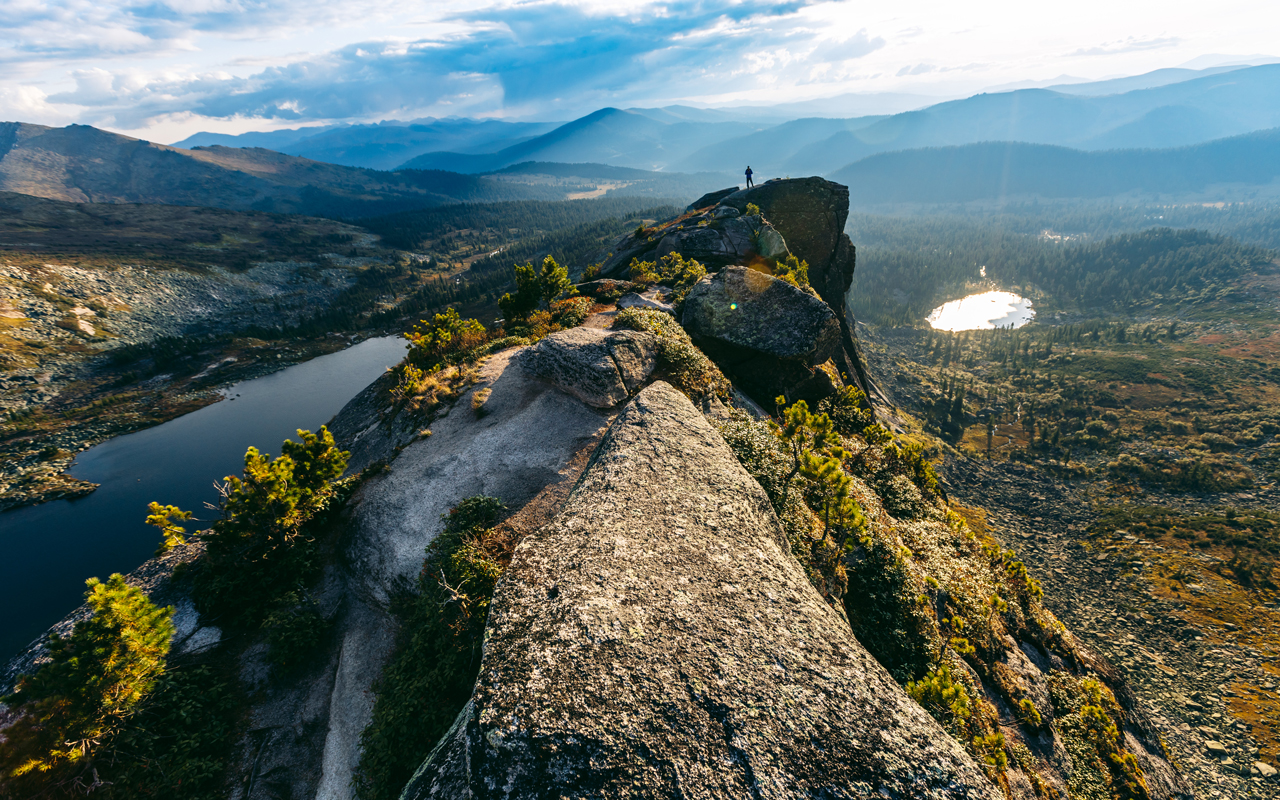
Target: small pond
981, 312
47, 551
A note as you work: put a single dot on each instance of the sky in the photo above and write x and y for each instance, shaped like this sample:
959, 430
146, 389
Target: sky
164, 69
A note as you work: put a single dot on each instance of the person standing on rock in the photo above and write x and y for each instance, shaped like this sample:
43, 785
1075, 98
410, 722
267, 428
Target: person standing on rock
750, 183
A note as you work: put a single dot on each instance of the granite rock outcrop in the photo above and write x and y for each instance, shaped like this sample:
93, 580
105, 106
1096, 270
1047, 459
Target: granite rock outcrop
658, 639
769, 335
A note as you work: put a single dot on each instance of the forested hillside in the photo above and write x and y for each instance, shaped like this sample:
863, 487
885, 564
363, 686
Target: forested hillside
907, 266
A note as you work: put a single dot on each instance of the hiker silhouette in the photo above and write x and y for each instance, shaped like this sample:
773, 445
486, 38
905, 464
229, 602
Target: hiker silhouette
750, 182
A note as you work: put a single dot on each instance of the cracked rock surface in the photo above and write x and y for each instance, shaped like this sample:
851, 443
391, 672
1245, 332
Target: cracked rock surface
657, 639
600, 368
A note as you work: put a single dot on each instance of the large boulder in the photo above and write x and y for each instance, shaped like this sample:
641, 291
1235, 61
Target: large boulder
657, 639
767, 334
600, 368
811, 214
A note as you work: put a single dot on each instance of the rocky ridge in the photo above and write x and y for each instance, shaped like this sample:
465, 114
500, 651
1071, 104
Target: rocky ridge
806, 214
661, 621
658, 639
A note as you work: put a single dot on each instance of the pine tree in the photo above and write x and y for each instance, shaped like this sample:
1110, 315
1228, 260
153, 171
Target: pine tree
163, 518
81, 698
553, 281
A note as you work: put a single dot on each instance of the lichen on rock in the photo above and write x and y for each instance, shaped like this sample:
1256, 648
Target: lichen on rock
658, 639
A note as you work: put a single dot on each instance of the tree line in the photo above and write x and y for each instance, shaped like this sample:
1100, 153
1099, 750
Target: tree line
909, 265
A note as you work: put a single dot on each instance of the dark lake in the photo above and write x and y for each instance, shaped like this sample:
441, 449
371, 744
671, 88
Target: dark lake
47, 551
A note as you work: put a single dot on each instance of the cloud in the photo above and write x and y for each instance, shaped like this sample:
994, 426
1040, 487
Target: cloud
29, 104
527, 58
1128, 45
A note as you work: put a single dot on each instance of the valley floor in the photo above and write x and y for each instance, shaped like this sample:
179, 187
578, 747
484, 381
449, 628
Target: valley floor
1191, 621
1210, 682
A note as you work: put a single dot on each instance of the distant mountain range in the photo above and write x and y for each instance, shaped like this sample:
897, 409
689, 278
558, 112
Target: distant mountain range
1161, 109
639, 139
1175, 112
1005, 170
384, 146
83, 164
1217, 128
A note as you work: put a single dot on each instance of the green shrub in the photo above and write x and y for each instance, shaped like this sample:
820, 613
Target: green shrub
494, 346
678, 359
293, 629
944, 698
901, 497
792, 270
261, 547
433, 669
1028, 714
85, 694
849, 411
885, 613
178, 745
753, 210
163, 518
671, 270
571, 312
443, 340
1085, 714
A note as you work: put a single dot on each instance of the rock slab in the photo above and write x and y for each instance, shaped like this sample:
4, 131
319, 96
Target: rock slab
600, 368
767, 334
658, 640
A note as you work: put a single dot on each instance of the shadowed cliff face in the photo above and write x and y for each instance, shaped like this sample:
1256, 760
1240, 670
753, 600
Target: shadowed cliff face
658, 639
809, 215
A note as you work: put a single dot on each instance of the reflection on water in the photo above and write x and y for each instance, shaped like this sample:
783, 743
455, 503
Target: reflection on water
47, 551
982, 311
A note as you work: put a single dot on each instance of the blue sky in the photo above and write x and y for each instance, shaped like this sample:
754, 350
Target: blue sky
163, 69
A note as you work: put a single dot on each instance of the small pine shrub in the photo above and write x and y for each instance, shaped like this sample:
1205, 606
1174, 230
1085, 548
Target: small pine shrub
165, 519
86, 693
570, 312
443, 340
262, 548
943, 697
293, 630
793, 271
671, 270
849, 411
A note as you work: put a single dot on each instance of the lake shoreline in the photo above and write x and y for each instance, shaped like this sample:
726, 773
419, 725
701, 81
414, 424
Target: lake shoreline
41, 464
177, 462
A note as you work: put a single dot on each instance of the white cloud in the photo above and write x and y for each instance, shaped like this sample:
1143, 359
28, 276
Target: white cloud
1128, 45
137, 64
